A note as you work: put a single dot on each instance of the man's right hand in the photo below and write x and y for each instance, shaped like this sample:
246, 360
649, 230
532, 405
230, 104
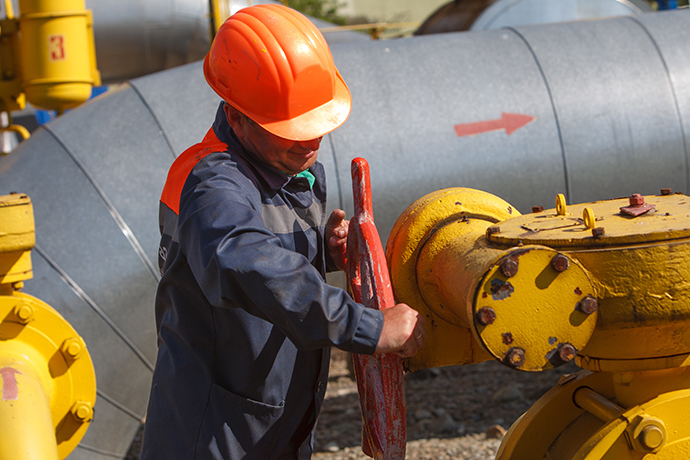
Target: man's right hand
403, 331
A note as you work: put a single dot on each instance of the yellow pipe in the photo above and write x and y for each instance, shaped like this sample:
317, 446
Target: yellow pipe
25, 415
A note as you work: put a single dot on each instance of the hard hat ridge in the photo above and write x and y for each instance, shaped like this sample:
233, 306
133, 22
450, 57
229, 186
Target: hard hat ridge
272, 64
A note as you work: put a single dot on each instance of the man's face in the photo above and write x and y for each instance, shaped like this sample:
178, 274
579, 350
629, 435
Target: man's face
289, 156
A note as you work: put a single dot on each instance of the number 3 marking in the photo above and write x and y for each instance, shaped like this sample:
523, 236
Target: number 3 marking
56, 47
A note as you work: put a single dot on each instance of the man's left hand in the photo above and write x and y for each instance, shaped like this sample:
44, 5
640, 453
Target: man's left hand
336, 236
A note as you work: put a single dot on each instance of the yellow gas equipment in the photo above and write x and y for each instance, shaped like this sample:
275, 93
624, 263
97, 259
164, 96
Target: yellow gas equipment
605, 283
47, 56
48, 384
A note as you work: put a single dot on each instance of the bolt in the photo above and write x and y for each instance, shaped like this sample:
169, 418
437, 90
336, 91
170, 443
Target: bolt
651, 437
72, 348
666, 191
507, 338
515, 357
597, 232
560, 263
82, 411
567, 352
486, 316
492, 230
536, 209
509, 267
588, 305
636, 200
24, 312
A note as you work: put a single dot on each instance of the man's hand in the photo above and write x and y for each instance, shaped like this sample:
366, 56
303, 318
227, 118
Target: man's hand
403, 331
336, 236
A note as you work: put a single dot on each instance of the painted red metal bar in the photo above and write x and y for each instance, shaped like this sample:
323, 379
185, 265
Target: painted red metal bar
379, 377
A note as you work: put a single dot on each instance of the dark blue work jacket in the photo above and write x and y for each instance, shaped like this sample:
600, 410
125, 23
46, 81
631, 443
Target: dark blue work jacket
245, 319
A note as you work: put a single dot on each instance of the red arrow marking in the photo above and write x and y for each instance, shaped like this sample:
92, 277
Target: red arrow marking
511, 122
9, 384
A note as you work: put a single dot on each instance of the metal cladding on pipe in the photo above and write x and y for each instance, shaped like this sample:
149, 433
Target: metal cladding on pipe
506, 13
139, 37
609, 104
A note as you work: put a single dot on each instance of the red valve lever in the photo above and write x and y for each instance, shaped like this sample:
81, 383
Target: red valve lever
379, 377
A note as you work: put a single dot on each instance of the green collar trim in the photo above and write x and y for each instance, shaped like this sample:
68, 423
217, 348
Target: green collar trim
307, 175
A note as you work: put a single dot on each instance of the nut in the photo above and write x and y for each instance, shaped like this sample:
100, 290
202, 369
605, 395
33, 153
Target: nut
72, 348
652, 437
82, 411
486, 316
560, 263
492, 230
567, 352
588, 305
515, 357
636, 200
597, 232
24, 312
666, 191
509, 267
536, 209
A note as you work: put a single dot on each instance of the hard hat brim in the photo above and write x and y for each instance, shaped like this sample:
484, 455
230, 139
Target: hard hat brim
310, 125
317, 122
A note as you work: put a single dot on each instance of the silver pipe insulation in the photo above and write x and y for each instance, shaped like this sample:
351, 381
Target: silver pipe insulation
607, 106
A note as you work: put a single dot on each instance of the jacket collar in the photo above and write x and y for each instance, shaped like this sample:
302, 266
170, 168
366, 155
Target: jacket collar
275, 178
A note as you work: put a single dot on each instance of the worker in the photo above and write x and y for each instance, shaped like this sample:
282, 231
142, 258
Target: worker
244, 316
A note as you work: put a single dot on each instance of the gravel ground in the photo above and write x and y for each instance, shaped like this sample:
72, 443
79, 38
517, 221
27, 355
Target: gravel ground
457, 413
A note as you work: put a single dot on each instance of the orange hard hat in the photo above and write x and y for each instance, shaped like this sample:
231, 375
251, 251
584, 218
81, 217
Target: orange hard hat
271, 63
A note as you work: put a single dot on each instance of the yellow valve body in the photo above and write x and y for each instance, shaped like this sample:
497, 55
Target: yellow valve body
17, 238
58, 53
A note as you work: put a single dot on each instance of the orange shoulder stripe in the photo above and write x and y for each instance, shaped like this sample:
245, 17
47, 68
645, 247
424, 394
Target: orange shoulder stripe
183, 165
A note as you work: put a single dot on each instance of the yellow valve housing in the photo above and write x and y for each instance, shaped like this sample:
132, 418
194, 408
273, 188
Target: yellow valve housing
536, 290
520, 305
58, 53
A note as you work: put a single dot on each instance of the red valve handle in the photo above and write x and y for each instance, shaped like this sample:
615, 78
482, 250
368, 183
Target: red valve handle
379, 377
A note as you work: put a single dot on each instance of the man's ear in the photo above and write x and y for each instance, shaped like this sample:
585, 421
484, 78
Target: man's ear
235, 118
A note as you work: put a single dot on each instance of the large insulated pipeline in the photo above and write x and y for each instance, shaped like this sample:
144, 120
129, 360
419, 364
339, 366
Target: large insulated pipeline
594, 110
139, 37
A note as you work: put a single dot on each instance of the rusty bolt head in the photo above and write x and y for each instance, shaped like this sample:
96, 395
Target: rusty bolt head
597, 232
588, 305
486, 316
515, 357
509, 267
536, 209
507, 338
567, 352
636, 200
560, 263
666, 191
